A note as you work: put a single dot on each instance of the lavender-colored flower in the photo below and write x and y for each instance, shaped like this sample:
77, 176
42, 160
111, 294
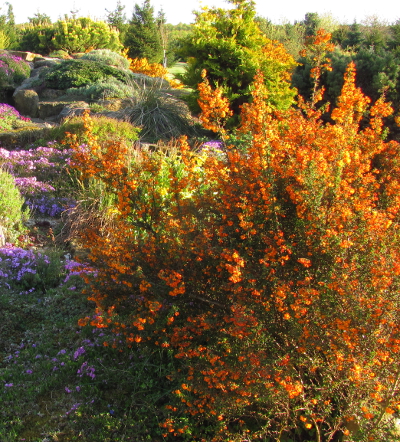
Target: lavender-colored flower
17, 264
79, 352
30, 186
86, 370
73, 408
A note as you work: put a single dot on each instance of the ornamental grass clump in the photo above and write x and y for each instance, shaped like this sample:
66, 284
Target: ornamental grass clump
159, 115
271, 272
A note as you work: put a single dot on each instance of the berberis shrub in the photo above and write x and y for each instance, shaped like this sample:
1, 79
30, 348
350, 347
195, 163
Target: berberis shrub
271, 271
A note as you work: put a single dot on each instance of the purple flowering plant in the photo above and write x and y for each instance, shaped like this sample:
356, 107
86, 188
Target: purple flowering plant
13, 70
10, 118
41, 176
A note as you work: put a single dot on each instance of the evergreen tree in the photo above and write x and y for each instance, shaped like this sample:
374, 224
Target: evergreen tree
143, 36
117, 18
311, 22
40, 19
8, 32
230, 46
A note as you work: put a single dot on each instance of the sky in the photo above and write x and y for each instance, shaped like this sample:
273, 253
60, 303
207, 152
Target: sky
180, 11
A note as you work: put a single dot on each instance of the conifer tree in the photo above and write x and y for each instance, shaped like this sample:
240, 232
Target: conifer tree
143, 36
230, 46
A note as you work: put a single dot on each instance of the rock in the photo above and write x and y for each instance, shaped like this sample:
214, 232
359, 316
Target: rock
48, 109
46, 62
73, 109
51, 93
26, 102
26, 84
27, 56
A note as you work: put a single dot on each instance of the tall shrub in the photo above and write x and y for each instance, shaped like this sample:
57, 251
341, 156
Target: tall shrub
82, 34
72, 35
270, 269
231, 47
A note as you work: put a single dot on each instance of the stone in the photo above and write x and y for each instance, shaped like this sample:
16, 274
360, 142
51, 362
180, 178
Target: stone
27, 56
73, 109
51, 93
26, 102
46, 62
49, 109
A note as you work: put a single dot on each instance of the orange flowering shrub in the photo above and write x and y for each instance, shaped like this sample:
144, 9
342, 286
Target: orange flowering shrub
315, 52
142, 66
270, 271
214, 106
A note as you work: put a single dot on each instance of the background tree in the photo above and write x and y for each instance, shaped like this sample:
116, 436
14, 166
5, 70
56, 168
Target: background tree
117, 19
8, 32
289, 34
143, 38
175, 36
311, 22
39, 19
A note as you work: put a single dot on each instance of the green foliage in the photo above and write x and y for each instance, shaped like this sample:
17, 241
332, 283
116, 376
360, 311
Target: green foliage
117, 18
378, 71
143, 38
4, 40
71, 35
38, 39
81, 34
290, 35
12, 214
60, 53
80, 73
311, 22
104, 128
13, 70
103, 89
40, 19
107, 57
8, 31
231, 47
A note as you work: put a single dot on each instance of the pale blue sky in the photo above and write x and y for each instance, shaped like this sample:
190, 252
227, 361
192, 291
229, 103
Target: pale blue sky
181, 10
